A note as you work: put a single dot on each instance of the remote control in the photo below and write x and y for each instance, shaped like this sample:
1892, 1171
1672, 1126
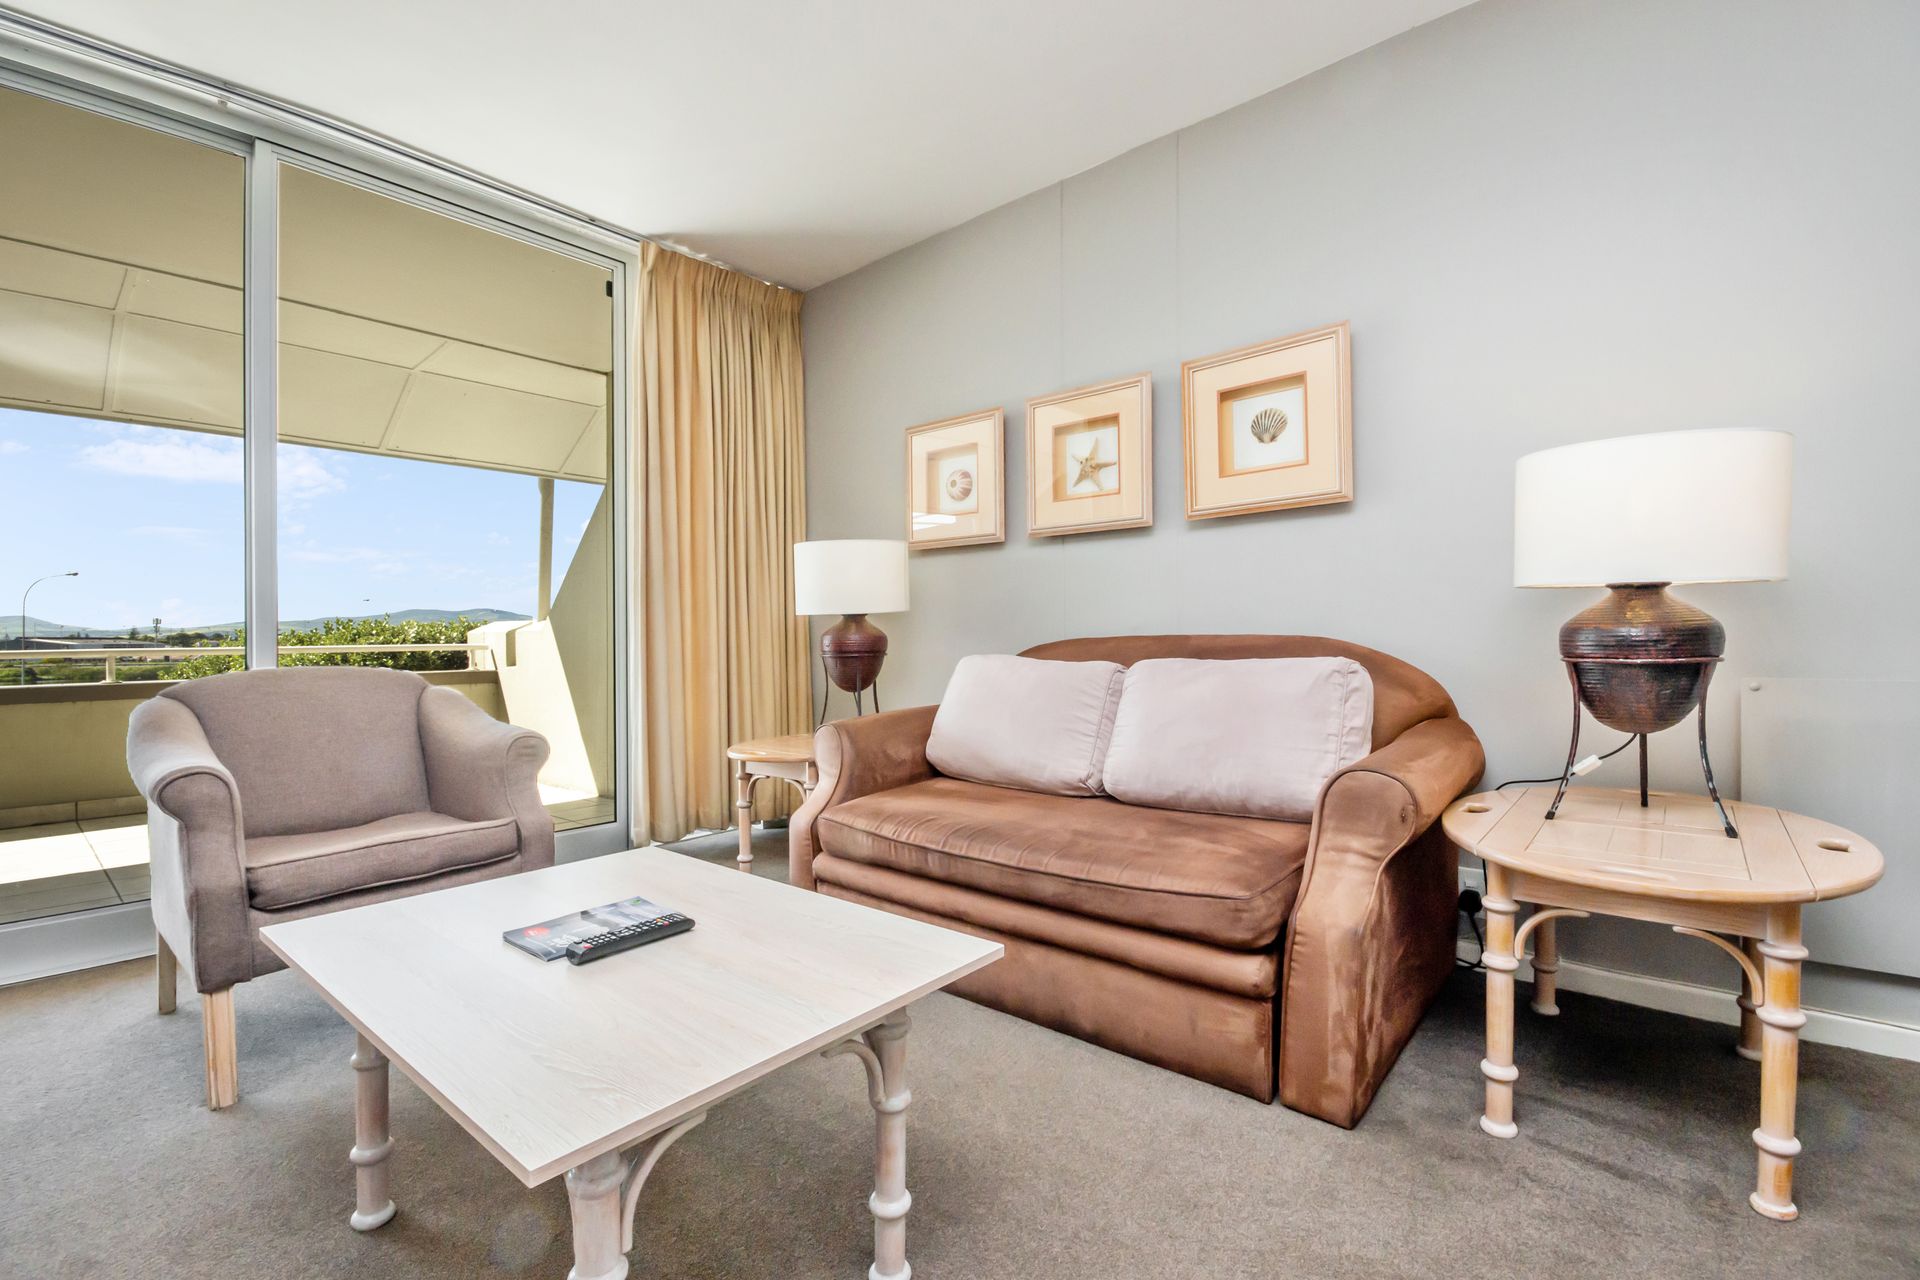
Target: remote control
634, 935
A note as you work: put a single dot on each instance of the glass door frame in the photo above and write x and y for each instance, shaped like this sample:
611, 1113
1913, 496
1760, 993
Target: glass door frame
41, 59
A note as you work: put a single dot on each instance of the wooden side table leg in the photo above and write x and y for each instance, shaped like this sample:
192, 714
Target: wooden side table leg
1546, 964
743, 808
1749, 1046
1781, 1020
1501, 963
373, 1206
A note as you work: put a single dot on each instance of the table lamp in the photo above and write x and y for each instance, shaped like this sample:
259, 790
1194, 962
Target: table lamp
852, 577
1635, 515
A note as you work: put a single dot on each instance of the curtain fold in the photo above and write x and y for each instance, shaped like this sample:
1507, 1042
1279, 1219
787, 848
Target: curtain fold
722, 482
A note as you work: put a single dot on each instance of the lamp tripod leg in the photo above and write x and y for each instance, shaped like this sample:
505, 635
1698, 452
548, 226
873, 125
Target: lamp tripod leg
1643, 771
1706, 764
1573, 748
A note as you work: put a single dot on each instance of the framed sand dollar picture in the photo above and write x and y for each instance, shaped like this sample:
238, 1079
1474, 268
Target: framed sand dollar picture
1090, 458
956, 481
1269, 426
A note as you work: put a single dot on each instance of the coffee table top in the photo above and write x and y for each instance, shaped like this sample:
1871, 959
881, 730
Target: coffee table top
550, 1064
788, 748
1674, 848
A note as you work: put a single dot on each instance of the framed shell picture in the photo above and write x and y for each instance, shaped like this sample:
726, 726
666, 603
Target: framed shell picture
1090, 458
1270, 426
956, 481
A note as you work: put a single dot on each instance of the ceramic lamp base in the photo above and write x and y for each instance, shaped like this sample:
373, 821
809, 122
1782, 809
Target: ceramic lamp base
1640, 660
851, 653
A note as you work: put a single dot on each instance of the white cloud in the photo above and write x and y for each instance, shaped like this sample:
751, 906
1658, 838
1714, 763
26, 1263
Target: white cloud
155, 453
164, 454
8, 447
304, 474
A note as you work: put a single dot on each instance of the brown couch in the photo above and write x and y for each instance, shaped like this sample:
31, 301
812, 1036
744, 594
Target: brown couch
1250, 953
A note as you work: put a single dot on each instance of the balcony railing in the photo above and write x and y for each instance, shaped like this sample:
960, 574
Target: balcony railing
110, 659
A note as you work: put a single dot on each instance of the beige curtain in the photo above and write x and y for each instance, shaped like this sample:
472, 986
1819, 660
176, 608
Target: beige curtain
721, 474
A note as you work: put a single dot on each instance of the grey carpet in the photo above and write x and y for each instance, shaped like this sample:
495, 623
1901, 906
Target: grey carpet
1030, 1154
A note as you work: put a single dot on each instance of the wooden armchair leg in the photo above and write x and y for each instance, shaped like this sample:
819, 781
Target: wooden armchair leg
223, 1058
167, 971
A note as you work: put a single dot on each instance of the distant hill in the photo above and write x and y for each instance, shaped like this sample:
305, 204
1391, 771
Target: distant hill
40, 627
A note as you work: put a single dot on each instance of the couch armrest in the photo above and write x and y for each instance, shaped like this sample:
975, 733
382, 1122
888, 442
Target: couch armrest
1372, 935
196, 836
479, 768
856, 758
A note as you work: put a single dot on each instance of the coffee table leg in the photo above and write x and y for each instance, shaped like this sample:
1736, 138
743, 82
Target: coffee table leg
1501, 963
373, 1207
890, 1200
1781, 1019
882, 1049
594, 1192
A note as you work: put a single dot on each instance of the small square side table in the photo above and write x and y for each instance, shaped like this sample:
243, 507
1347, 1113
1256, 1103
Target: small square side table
789, 756
1670, 862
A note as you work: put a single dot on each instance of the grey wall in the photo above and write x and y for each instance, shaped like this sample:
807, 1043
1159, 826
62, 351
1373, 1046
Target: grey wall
1546, 222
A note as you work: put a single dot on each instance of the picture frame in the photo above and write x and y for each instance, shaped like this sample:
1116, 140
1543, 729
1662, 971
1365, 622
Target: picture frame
1090, 458
956, 481
1269, 426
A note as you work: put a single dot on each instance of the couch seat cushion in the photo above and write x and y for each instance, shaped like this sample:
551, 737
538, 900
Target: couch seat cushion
284, 871
1228, 881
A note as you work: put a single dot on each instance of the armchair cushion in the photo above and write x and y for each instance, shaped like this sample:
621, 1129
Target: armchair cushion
315, 748
285, 871
1228, 881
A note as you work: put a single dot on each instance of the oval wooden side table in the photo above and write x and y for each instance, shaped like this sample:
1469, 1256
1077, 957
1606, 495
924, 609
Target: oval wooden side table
1670, 863
789, 756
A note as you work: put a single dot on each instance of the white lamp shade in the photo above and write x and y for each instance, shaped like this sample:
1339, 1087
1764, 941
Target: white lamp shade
1678, 506
850, 575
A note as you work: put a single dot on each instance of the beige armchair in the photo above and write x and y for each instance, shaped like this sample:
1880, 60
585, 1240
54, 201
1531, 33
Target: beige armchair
277, 794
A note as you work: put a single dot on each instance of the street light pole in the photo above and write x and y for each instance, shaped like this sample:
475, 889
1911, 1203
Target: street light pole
72, 573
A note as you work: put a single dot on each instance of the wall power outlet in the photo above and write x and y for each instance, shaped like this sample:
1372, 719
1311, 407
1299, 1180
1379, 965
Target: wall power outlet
1475, 879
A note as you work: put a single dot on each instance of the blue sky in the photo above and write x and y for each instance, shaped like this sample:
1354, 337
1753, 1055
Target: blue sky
152, 519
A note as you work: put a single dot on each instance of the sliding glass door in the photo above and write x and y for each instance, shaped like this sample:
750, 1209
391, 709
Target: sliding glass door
259, 407
443, 465
121, 496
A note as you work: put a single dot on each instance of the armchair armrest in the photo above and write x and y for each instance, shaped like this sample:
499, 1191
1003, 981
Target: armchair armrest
856, 758
1372, 935
197, 841
479, 768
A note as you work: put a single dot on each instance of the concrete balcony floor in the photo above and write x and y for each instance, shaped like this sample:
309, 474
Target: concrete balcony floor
72, 866
58, 867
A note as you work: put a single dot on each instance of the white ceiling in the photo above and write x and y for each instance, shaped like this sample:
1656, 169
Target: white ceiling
796, 139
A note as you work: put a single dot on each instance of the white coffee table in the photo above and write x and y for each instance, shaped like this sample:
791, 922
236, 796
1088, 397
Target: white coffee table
593, 1071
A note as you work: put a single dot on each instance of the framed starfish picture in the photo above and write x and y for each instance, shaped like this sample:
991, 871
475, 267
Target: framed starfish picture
1090, 458
1269, 426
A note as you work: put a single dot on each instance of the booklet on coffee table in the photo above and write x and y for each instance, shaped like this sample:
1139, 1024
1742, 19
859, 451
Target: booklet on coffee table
550, 939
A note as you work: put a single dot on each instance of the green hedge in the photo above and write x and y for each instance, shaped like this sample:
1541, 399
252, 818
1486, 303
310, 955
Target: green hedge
51, 669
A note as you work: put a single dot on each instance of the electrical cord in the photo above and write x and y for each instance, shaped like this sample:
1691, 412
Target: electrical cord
1515, 782
1470, 901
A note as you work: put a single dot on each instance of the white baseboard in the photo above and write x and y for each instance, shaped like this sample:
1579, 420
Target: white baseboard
1710, 1004
41, 948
